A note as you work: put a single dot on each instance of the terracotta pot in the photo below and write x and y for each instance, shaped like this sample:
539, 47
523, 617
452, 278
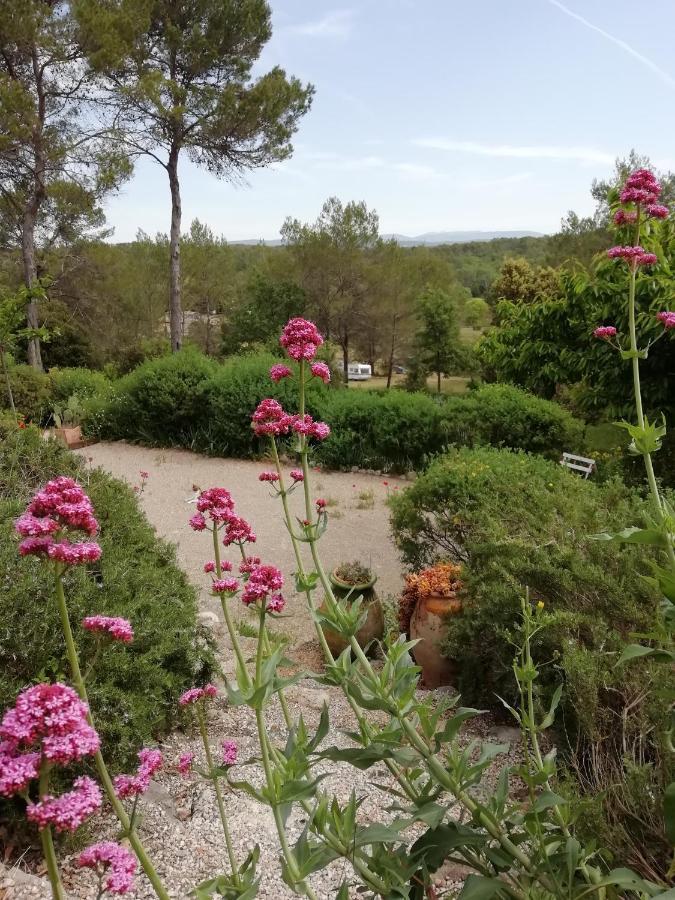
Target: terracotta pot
371, 630
428, 626
70, 436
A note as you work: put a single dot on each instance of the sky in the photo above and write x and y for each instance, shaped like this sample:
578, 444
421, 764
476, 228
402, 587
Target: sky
443, 115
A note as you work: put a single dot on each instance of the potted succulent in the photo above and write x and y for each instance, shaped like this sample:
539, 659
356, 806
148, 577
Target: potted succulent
428, 599
349, 581
67, 421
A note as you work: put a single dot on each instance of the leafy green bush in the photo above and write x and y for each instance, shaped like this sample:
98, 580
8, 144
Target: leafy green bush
133, 689
504, 416
517, 521
31, 390
85, 383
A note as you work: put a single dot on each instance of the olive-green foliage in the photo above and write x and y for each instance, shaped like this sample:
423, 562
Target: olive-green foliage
84, 383
31, 390
503, 416
520, 522
133, 689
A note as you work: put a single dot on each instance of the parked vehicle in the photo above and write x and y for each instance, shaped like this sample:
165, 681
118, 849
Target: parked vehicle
359, 371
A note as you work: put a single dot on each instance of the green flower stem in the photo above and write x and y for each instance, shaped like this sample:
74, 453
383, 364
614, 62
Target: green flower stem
219, 794
48, 843
263, 738
101, 767
226, 612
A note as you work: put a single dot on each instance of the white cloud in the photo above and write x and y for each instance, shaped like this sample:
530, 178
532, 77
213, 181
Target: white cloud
650, 64
333, 162
337, 23
581, 154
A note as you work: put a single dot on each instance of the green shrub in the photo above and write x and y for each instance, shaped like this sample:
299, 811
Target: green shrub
375, 430
85, 383
517, 521
31, 390
133, 689
504, 416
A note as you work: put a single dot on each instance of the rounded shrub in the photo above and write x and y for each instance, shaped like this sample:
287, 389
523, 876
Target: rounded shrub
84, 383
31, 391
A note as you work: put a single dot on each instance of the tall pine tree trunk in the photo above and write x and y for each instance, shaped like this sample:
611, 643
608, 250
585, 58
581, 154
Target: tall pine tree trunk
30, 213
345, 358
175, 310
392, 349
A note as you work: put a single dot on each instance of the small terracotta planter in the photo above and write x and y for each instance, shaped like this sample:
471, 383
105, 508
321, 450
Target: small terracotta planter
69, 436
428, 626
371, 630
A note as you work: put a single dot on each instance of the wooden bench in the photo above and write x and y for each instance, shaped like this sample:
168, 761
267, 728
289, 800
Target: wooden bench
581, 464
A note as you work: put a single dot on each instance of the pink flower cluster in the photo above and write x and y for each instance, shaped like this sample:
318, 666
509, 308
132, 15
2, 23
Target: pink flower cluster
208, 692
667, 319
117, 628
135, 785
605, 332
297, 475
70, 810
279, 371
249, 564
269, 476
238, 531
300, 339
225, 566
640, 187
264, 583
621, 217
184, 764
636, 256
307, 426
269, 418
60, 505
321, 370
113, 859
225, 586
229, 749
50, 719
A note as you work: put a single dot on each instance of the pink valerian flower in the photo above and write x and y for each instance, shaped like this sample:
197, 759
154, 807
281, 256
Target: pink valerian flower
74, 554
63, 500
297, 475
135, 785
644, 180
225, 586
667, 319
198, 693
268, 476
17, 770
635, 255
197, 522
70, 810
225, 566
249, 564
301, 339
621, 217
262, 581
320, 431
144, 475
657, 211
114, 860
184, 764
35, 546
50, 718
321, 504
238, 531
29, 525
605, 332
229, 749
217, 503
279, 371
637, 195
116, 627
321, 370
307, 426
275, 603
269, 418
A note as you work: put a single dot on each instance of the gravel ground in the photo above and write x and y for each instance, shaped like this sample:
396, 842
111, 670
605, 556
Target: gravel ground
179, 823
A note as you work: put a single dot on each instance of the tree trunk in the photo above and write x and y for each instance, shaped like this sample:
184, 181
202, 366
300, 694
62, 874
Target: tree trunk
390, 367
10, 395
438, 381
175, 310
345, 358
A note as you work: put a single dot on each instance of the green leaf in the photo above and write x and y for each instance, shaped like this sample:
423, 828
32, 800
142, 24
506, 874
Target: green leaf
632, 535
549, 718
548, 799
478, 887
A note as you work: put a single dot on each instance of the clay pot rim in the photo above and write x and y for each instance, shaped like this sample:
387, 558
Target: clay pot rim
338, 582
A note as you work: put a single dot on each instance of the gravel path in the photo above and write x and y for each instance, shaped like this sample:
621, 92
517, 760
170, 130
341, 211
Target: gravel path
179, 822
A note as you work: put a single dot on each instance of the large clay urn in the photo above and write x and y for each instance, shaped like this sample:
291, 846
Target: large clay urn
428, 625
372, 629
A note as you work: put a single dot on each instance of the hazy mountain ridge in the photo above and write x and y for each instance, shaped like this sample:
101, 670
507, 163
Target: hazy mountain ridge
429, 238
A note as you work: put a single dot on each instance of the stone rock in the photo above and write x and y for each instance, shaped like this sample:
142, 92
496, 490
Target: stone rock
410, 476
159, 796
355, 469
506, 734
208, 618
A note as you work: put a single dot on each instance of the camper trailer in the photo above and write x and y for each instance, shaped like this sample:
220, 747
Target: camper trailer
359, 371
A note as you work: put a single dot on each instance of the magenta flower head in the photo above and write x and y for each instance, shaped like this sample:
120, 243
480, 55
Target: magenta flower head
268, 476
208, 692
321, 504
621, 217
225, 586
197, 522
135, 785
297, 475
70, 810
301, 339
321, 370
144, 475
51, 720
59, 508
635, 256
667, 319
114, 626
229, 753
249, 564
279, 371
216, 503
275, 603
605, 332
641, 187
657, 211
238, 531
270, 418
184, 764
263, 581
113, 860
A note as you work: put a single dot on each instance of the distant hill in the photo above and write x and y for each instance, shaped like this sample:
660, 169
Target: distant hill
429, 238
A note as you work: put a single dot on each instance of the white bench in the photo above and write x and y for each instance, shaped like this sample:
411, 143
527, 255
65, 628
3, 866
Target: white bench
581, 464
